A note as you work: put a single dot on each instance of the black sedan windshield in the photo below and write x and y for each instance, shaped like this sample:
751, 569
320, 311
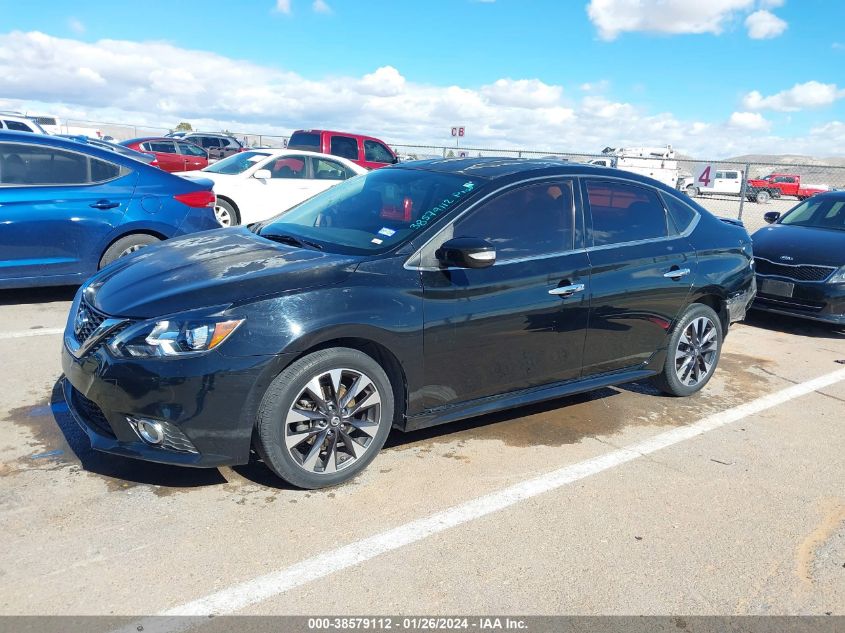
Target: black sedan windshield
822, 213
372, 213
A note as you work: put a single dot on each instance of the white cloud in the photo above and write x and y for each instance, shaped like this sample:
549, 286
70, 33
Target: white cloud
614, 17
321, 6
602, 85
137, 83
748, 121
384, 82
76, 25
524, 93
812, 94
764, 25
283, 6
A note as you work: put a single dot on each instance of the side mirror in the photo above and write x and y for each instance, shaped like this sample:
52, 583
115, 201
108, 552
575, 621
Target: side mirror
771, 217
466, 252
263, 174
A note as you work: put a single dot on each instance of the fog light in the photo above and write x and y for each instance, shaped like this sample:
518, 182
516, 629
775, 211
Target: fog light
151, 432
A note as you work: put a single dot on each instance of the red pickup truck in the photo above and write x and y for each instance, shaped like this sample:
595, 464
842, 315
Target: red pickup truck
777, 185
366, 151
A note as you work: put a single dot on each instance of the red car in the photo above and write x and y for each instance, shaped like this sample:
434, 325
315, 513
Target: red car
171, 153
366, 151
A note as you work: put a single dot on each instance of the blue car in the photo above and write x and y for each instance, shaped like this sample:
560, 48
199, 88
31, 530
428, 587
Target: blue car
68, 209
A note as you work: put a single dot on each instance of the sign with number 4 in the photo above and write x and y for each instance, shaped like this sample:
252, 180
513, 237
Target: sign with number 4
704, 175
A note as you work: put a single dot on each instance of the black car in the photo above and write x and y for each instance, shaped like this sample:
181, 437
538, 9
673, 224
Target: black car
800, 260
413, 295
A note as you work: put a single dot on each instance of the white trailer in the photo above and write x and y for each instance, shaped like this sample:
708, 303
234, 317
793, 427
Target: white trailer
655, 162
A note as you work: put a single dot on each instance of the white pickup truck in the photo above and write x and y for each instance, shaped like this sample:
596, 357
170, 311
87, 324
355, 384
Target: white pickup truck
710, 180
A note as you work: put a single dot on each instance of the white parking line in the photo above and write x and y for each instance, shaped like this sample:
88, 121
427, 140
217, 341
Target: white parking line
44, 331
244, 594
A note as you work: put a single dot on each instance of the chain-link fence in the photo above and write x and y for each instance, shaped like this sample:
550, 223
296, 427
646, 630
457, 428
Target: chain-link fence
734, 189
744, 190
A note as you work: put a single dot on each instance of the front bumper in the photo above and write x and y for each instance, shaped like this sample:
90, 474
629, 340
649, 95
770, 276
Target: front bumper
207, 404
810, 300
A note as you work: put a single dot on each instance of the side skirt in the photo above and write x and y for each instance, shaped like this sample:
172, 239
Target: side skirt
490, 404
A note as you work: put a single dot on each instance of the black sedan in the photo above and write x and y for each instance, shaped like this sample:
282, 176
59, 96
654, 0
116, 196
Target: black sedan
410, 296
800, 260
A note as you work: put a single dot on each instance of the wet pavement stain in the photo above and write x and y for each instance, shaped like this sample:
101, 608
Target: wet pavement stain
596, 413
52, 428
59, 443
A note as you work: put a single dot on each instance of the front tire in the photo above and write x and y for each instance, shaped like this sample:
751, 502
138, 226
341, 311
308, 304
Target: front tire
226, 213
325, 417
762, 197
695, 346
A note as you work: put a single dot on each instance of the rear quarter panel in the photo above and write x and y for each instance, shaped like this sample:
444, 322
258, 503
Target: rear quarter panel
725, 260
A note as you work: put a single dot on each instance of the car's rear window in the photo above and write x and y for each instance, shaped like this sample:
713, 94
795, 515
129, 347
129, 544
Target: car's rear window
309, 141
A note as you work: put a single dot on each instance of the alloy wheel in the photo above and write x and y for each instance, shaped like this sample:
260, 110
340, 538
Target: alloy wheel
696, 353
132, 249
223, 216
333, 421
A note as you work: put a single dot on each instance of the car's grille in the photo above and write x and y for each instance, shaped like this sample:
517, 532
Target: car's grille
85, 321
798, 273
92, 414
788, 304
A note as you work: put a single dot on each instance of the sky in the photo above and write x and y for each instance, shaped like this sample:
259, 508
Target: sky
713, 78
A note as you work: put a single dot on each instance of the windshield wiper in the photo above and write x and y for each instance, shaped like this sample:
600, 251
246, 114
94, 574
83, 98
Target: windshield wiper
290, 240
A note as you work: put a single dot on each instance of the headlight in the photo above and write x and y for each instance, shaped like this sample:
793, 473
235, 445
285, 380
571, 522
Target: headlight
172, 337
838, 277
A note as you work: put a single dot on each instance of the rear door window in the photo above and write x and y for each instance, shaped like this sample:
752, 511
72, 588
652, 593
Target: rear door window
189, 149
38, 165
375, 152
330, 170
623, 212
345, 147
680, 214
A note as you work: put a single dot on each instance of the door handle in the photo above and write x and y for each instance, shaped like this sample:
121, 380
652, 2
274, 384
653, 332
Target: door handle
104, 204
566, 291
677, 273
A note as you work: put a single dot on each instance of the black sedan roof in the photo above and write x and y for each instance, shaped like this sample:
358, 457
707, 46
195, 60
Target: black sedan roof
498, 167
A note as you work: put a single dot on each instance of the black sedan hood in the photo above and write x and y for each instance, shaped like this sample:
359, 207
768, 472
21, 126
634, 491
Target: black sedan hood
210, 269
804, 244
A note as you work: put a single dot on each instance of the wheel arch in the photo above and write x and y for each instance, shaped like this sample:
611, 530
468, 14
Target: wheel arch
120, 236
384, 357
719, 305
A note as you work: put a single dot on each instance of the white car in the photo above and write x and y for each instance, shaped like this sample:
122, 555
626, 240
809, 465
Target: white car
256, 184
19, 124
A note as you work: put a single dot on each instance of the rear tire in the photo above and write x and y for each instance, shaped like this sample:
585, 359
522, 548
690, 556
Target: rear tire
325, 417
126, 246
762, 197
692, 355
